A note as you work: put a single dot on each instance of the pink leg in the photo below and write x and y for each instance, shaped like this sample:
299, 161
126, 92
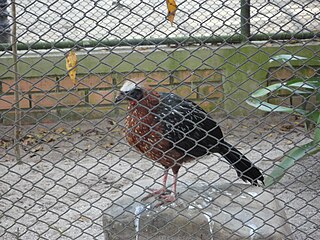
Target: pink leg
162, 190
170, 197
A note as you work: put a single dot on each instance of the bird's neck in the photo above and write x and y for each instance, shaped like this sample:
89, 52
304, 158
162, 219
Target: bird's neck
146, 105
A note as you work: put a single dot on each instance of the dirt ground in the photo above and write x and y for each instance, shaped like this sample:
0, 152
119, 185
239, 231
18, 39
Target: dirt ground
71, 172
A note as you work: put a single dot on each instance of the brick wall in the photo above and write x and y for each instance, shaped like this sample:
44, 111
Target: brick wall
52, 98
218, 78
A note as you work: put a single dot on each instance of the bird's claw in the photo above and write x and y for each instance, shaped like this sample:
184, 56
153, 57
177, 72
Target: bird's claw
162, 192
165, 199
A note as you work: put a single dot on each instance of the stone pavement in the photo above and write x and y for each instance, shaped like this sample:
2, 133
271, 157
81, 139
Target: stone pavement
105, 19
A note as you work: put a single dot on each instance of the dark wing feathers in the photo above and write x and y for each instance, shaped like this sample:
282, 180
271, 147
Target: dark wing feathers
187, 126
193, 132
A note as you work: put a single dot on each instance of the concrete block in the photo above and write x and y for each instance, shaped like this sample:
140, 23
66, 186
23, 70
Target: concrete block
226, 211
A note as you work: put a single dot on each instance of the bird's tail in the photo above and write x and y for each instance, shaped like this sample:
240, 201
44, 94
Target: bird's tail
245, 169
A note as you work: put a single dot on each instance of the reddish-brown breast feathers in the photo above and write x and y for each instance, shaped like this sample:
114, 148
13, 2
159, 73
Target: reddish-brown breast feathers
144, 130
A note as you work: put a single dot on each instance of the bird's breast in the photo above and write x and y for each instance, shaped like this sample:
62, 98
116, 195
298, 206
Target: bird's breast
145, 133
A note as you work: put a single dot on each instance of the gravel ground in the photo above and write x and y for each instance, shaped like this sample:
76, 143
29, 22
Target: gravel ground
71, 172
105, 19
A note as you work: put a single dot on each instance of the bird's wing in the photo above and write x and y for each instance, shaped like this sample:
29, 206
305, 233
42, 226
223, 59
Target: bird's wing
187, 126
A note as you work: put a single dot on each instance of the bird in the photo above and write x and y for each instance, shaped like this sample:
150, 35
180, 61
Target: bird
172, 130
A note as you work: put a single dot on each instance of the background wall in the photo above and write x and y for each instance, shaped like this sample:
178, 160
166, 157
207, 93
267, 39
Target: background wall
220, 79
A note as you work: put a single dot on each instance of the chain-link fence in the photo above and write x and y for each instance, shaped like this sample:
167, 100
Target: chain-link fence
76, 164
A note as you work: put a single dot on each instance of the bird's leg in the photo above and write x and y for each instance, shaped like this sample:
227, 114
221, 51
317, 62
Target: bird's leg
168, 198
162, 190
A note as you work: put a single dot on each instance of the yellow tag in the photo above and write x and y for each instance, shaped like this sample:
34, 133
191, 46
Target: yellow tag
172, 7
71, 62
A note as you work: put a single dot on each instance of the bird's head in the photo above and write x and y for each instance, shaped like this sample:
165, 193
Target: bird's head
130, 91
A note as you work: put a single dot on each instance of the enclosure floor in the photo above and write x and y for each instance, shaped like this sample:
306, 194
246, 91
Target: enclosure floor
63, 185
202, 18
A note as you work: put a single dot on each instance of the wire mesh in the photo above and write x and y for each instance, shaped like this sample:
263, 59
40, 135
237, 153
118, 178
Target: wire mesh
77, 176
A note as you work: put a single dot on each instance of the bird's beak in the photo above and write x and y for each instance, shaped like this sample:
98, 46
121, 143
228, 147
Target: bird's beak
120, 97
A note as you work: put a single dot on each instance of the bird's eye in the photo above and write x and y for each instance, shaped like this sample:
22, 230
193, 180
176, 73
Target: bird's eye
136, 94
130, 94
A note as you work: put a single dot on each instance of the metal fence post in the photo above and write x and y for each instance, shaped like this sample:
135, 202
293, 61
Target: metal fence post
245, 19
4, 23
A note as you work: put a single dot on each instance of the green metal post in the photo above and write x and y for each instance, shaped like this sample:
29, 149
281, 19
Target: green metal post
4, 24
245, 19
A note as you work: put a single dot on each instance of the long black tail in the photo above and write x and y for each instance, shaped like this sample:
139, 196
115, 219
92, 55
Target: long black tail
245, 169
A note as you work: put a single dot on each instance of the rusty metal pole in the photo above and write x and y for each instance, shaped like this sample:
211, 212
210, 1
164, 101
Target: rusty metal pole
4, 23
17, 94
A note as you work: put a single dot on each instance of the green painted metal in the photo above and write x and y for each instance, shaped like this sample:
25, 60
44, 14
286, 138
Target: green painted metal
236, 38
245, 18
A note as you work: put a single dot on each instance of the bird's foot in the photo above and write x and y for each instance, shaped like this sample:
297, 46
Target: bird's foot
156, 192
165, 199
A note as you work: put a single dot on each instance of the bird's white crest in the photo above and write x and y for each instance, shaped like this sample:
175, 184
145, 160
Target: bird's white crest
128, 86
